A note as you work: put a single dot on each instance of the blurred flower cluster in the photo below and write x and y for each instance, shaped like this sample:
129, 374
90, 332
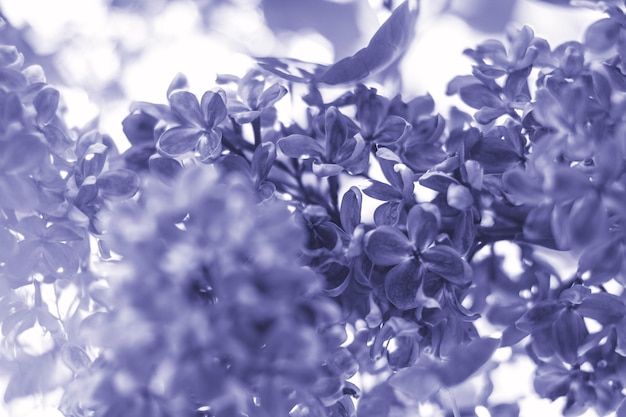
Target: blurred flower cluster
295, 242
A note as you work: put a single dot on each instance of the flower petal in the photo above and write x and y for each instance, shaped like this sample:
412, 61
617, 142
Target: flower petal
179, 140
387, 245
422, 226
300, 146
46, 103
185, 105
209, 146
120, 183
213, 109
402, 283
445, 261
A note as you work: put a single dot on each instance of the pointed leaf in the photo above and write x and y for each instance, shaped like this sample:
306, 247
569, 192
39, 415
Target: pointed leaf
387, 246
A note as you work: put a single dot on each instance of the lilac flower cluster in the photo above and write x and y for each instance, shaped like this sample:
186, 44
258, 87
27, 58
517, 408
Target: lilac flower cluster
243, 277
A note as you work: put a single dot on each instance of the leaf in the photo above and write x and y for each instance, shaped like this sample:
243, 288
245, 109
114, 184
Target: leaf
213, 109
46, 103
385, 47
120, 183
445, 261
300, 146
569, 333
179, 140
466, 360
387, 246
350, 213
402, 283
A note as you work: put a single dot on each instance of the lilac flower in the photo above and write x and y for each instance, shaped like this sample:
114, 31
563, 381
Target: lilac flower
198, 126
340, 150
413, 255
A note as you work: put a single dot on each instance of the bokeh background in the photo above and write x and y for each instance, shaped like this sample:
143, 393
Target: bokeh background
103, 54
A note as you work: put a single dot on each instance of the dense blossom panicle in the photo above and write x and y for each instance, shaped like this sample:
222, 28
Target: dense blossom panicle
235, 261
